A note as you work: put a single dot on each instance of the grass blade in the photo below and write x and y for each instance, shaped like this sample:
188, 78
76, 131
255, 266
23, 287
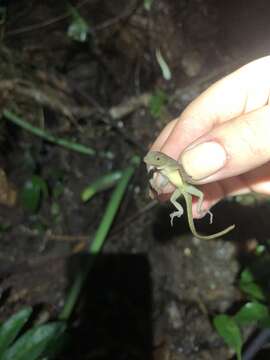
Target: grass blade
103, 183
166, 72
32, 344
99, 238
10, 329
15, 119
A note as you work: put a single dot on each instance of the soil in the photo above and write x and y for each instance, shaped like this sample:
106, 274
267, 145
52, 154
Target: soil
154, 289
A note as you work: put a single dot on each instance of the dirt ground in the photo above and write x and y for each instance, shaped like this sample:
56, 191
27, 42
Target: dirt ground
155, 289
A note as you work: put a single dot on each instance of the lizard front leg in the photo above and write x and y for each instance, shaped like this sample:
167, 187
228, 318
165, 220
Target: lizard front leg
192, 190
178, 206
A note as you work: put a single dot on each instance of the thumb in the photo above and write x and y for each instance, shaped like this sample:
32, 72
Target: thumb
232, 148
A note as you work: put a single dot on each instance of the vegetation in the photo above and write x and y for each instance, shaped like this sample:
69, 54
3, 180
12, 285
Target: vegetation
84, 90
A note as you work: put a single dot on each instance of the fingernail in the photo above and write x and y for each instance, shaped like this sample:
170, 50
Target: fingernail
203, 160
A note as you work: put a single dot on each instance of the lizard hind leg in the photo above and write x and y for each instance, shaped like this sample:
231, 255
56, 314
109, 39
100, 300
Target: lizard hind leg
192, 190
178, 206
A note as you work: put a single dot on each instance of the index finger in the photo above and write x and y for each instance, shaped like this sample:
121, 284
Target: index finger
244, 90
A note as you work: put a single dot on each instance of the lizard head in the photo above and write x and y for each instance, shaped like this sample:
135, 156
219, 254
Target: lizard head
158, 160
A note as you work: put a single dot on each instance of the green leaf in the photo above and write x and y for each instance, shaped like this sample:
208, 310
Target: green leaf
246, 276
56, 345
166, 72
78, 29
10, 329
157, 102
230, 332
253, 290
251, 312
147, 4
32, 191
100, 236
247, 284
34, 342
103, 183
260, 249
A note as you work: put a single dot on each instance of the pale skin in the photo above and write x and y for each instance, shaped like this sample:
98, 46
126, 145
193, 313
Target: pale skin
172, 172
222, 137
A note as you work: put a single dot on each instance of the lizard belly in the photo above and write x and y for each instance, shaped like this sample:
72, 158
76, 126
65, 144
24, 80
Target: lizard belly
174, 177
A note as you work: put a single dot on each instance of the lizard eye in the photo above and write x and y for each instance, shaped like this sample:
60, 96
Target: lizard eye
158, 158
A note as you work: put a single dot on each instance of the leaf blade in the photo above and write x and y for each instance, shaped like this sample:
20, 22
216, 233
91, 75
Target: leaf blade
251, 312
166, 72
34, 342
230, 332
248, 285
32, 191
10, 329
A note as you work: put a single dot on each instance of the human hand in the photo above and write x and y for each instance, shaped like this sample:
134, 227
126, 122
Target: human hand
222, 137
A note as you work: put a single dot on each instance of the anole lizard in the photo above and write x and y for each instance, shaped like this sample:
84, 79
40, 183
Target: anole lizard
172, 171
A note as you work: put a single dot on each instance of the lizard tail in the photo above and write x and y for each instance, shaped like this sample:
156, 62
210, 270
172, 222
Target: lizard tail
188, 200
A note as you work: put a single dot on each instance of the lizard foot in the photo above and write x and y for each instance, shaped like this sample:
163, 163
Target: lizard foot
211, 216
203, 213
174, 214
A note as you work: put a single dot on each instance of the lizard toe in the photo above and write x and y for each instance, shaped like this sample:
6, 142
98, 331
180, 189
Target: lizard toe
175, 214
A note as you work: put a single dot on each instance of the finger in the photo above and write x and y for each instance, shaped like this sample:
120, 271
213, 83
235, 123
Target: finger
217, 191
212, 194
245, 90
257, 180
230, 149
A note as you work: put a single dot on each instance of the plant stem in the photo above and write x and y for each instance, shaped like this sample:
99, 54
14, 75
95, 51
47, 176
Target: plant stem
15, 119
99, 239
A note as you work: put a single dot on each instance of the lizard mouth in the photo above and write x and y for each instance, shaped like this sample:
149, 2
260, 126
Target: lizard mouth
151, 170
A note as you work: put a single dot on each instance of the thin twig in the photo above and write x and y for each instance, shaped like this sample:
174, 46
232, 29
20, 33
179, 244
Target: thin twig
129, 106
66, 238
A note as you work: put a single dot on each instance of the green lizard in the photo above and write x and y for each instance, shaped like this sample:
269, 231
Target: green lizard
172, 172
